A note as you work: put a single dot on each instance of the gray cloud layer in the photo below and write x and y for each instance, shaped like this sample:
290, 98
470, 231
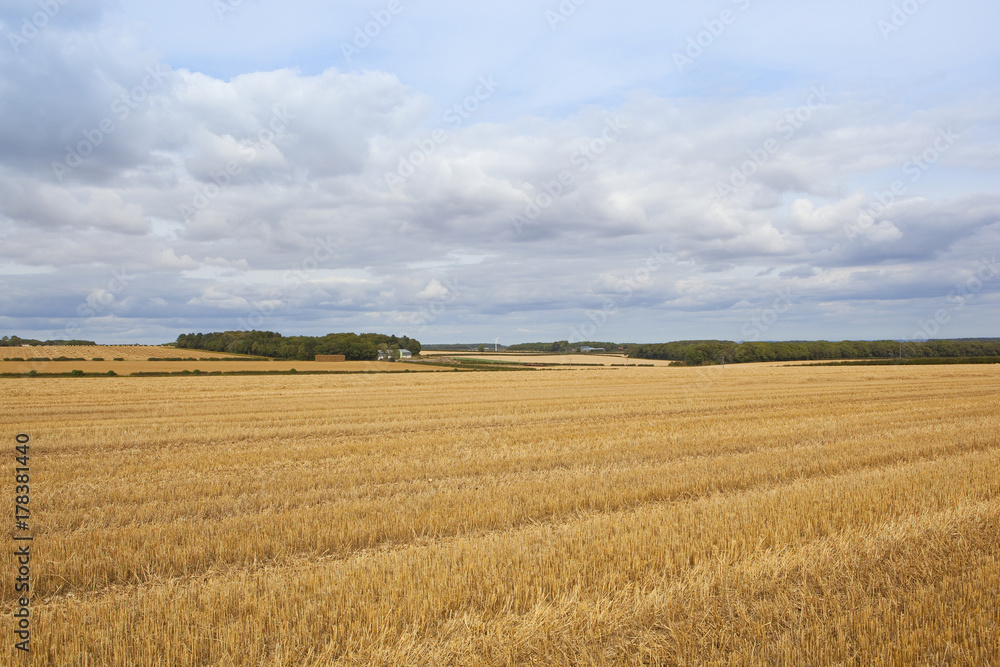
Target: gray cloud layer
139, 200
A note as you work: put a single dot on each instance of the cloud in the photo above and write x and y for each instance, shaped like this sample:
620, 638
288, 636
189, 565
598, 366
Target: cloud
47, 206
214, 297
167, 259
247, 145
805, 217
799, 272
227, 263
434, 290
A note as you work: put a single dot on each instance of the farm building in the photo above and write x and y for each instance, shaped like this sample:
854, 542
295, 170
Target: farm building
388, 355
331, 357
584, 348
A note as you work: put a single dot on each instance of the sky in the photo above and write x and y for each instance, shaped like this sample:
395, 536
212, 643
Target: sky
537, 170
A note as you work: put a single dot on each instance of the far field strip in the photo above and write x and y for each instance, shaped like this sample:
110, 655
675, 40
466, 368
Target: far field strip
135, 359
590, 359
107, 352
129, 367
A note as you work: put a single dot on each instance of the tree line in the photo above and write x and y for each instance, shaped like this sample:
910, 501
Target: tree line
14, 341
355, 347
698, 352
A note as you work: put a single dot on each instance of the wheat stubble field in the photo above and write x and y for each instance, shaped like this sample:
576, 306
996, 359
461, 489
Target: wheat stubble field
756, 515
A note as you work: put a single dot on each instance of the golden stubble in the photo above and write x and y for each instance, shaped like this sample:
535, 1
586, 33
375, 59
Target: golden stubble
593, 516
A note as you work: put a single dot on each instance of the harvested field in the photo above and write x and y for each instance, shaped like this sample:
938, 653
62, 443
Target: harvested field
136, 360
590, 359
757, 515
129, 367
108, 352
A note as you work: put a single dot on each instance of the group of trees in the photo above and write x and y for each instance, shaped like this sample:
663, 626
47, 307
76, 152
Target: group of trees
697, 352
14, 341
354, 347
